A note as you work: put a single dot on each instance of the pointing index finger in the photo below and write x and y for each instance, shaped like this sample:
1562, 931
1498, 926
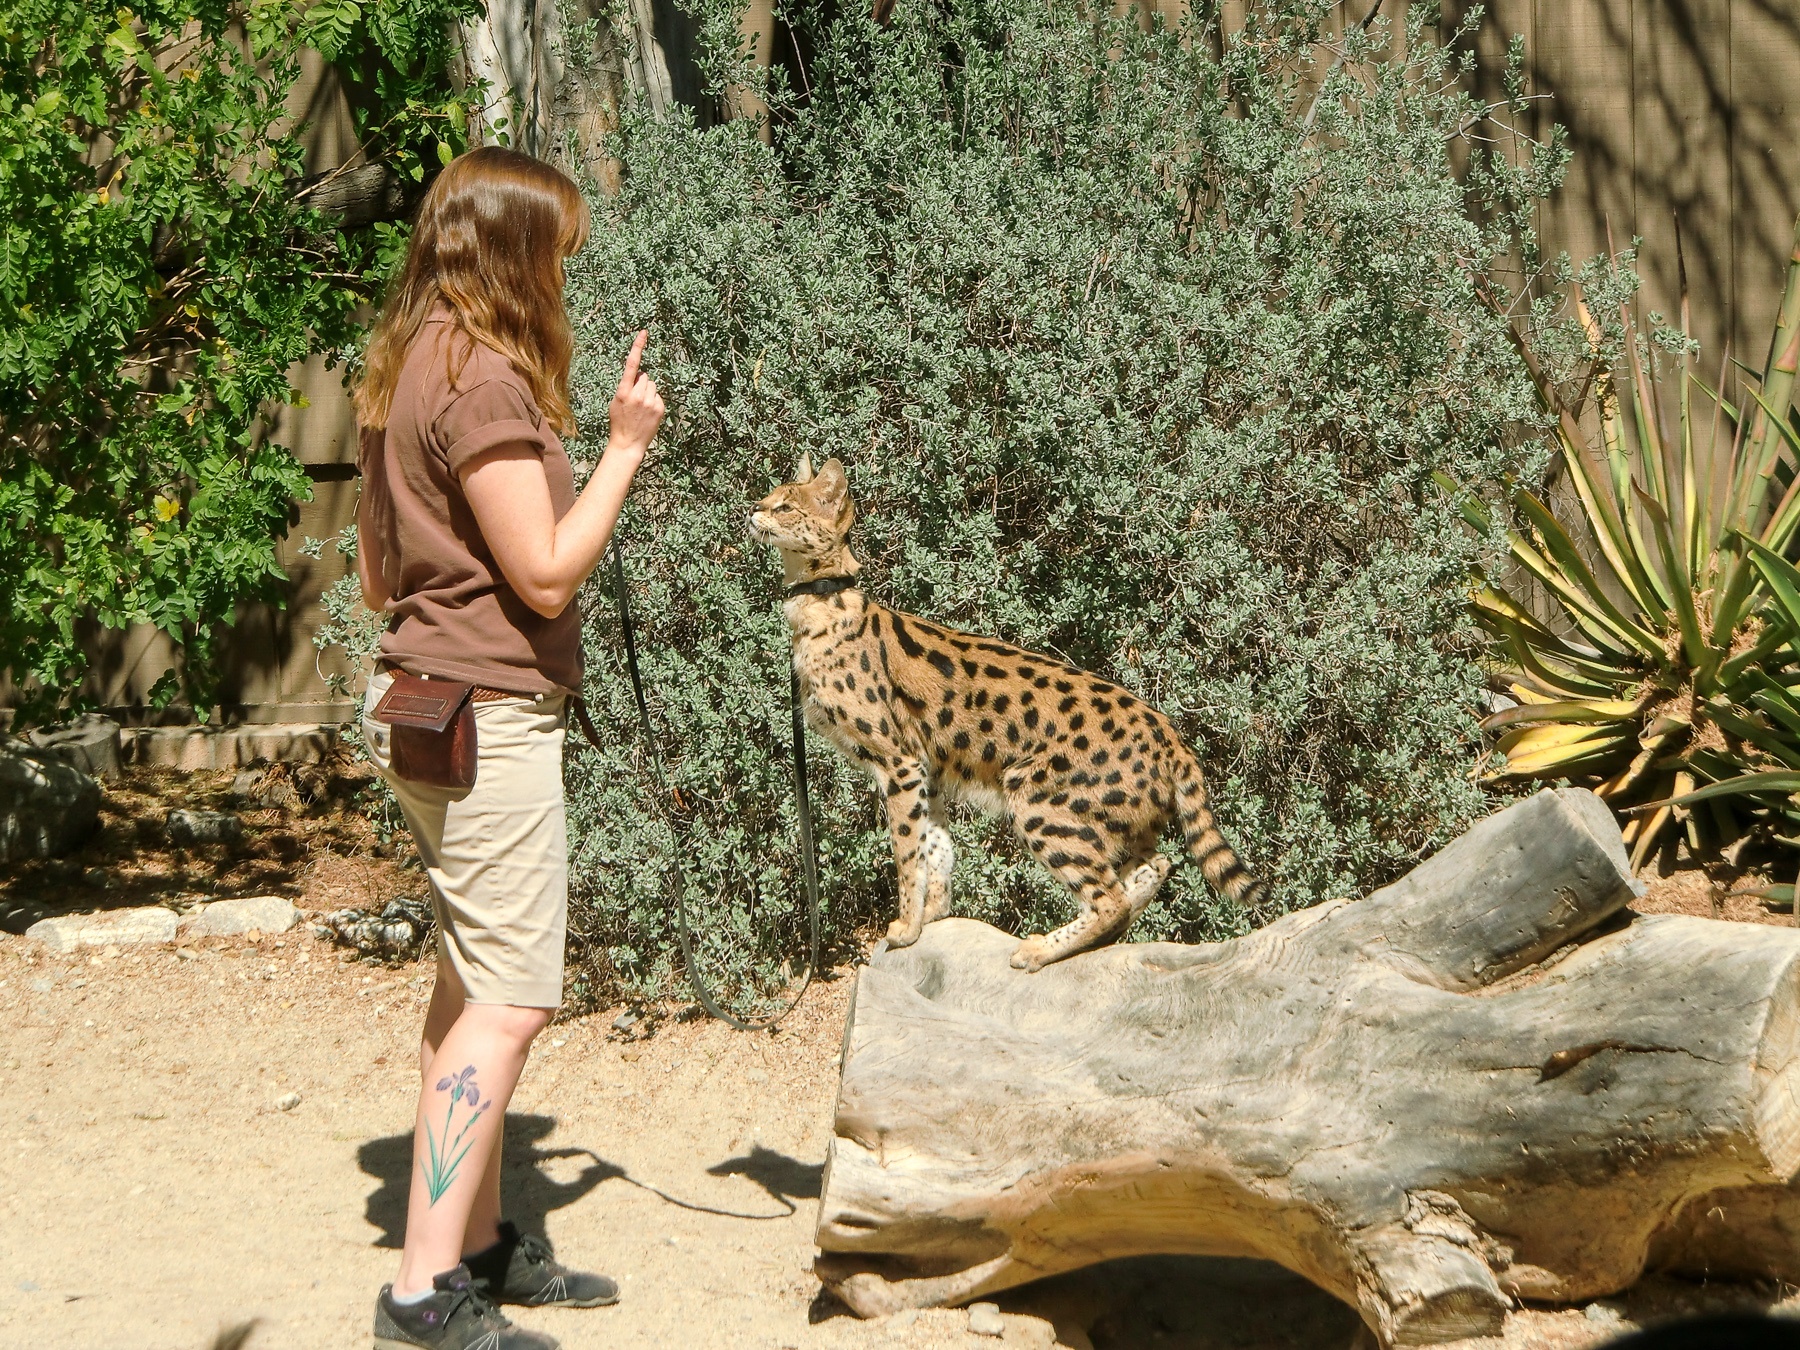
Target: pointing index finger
630, 376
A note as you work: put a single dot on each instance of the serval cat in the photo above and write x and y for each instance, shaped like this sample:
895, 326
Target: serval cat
1088, 775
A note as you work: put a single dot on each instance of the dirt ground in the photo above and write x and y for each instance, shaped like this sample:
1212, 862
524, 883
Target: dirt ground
152, 1190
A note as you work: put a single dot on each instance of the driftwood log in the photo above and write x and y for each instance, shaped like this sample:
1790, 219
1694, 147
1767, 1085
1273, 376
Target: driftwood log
1488, 1081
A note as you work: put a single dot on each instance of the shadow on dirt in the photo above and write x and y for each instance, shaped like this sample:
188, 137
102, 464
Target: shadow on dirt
530, 1186
527, 1191
782, 1178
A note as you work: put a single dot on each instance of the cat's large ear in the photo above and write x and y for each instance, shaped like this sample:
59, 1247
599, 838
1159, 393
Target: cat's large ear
831, 489
804, 474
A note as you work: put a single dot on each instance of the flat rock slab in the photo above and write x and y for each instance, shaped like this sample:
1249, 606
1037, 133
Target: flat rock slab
203, 827
253, 914
130, 927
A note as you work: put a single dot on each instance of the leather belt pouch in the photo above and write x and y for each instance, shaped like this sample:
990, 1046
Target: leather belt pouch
433, 730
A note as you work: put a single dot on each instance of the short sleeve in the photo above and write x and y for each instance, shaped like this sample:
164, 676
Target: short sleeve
494, 412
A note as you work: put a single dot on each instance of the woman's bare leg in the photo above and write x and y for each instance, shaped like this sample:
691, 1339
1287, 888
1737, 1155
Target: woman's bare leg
472, 1055
447, 1000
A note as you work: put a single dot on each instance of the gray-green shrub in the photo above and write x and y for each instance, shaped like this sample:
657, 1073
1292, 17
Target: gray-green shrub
1135, 356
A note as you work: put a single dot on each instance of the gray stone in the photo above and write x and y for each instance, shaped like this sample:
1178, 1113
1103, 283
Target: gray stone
985, 1319
260, 788
18, 915
90, 743
126, 927
204, 827
287, 1102
46, 807
399, 930
253, 914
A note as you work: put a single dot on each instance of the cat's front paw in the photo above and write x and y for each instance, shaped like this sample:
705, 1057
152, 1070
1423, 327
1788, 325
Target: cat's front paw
1031, 955
902, 934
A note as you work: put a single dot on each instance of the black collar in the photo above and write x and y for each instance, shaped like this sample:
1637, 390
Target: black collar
821, 586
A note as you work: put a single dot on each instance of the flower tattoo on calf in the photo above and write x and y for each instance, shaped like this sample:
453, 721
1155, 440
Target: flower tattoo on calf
447, 1153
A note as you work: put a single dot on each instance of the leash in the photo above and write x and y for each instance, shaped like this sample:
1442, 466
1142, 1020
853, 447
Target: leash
809, 861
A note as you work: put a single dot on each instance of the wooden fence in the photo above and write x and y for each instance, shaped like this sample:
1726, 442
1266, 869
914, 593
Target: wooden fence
1674, 108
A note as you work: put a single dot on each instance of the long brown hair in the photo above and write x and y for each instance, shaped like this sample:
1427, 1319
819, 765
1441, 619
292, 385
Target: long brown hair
488, 245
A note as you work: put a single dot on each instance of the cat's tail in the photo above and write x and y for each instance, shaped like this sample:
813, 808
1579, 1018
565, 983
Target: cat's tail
1206, 846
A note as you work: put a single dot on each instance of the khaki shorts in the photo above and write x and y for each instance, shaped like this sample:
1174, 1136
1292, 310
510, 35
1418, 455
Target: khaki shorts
497, 853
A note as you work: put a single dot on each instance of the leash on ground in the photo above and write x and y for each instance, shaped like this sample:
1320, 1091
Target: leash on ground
809, 861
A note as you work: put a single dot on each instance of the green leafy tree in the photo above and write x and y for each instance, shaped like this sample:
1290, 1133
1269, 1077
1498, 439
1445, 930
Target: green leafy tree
160, 273
1141, 348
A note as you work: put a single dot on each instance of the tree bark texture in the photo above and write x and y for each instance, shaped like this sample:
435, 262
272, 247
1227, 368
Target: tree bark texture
556, 74
1487, 1081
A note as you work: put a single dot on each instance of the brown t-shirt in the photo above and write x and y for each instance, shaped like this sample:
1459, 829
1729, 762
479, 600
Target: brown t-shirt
453, 613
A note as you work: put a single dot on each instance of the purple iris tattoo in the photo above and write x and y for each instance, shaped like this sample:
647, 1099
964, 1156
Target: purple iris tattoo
447, 1153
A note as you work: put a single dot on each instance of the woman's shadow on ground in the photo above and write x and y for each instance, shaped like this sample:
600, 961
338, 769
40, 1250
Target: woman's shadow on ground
527, 1193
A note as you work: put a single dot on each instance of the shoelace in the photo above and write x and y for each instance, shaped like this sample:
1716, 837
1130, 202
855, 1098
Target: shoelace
537, 1251
485, 1311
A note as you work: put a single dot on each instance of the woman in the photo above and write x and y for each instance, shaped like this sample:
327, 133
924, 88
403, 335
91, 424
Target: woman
474, 541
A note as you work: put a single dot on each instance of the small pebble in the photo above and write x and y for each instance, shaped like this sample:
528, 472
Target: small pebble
42, 986
985, 1319
287, 1103
625, 1021
757, 1076
555, 1044
28, 1286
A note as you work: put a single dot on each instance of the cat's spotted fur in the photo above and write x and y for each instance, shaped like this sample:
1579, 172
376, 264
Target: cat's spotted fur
1089, 775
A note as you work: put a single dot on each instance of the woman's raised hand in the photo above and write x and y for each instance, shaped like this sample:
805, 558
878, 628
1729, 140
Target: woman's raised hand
637, 409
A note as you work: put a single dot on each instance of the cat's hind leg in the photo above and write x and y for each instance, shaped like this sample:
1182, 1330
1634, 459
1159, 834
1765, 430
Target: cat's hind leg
923, 853
1141, 885
1105, 905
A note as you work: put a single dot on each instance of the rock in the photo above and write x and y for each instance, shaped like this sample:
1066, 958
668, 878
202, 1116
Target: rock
230, 918
90, 744
625, 1021
985, 1320
123, 928
46, 807
263, 788
16, 915
288, 1102
204, 827
400, 930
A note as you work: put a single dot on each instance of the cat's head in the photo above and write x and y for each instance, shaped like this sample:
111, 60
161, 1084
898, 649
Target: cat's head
809, 518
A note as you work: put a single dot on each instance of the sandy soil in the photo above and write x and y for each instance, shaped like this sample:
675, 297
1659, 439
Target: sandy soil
151, 1190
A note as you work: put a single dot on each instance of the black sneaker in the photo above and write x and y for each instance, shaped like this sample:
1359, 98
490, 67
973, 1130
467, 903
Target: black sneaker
520, 1269
457, 1316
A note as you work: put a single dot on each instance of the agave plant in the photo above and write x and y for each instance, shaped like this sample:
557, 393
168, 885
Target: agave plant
1660, 664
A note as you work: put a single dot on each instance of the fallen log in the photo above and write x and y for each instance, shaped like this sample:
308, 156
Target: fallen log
1488, 1081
